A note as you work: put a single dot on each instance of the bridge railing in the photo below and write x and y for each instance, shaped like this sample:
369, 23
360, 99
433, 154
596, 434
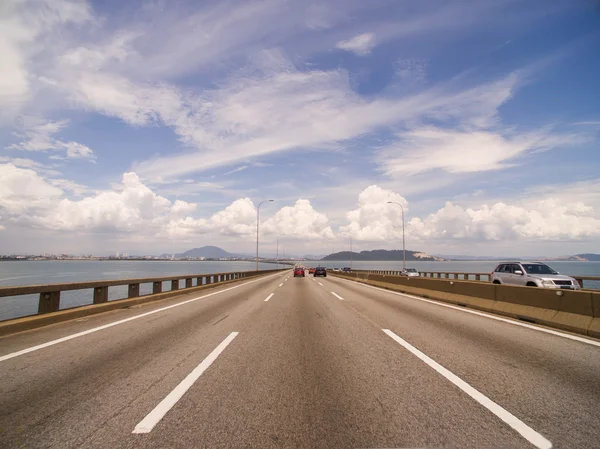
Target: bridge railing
470, 276
50, 294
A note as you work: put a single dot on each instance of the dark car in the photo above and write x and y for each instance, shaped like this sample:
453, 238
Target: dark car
346, 269
299, 272
320, 271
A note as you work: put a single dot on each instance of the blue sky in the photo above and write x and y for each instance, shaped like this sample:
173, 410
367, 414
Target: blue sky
152, 127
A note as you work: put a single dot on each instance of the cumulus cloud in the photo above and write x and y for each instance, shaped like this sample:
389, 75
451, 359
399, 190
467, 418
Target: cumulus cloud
28, 199
535, 217
360, 45
375, 219
39, 138
22, 189
299, 220
551, 221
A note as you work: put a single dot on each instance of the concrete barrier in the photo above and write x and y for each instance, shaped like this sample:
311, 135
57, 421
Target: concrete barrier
594, 329
572, 310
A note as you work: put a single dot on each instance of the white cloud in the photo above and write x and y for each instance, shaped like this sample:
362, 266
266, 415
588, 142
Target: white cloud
360, 45
38, 138
69, 186
236, 170
22, 190
550, 221
23, 26
299, 220
539, 216
429, 148
375, 219
281, 109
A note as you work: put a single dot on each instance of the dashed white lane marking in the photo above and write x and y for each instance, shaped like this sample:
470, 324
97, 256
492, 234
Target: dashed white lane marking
126, 320
320, 284
269, 297
281, 284
337, 296
523, 429
486, 315
147, 424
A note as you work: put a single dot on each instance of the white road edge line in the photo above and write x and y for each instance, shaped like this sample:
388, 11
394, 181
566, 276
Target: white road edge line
523, 429
116, 323
337, 296
152, 419
486, 315
269, 297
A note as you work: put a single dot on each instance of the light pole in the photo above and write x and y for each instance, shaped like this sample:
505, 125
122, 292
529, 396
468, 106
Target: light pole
257, 218
350, 249
278, 249
403, 247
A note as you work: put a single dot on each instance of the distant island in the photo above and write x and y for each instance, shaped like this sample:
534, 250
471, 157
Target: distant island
382, 255
206, 252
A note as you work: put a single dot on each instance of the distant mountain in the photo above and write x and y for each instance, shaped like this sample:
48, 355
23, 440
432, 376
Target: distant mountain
589, 257
208, 252
577, 257
383, 255
485, 258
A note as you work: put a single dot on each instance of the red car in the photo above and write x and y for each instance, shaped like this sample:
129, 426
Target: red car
311, 271
299, 272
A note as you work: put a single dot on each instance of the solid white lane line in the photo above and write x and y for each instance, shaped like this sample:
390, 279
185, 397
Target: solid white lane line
486, 315
523, 429
147, 424
320, 284
116, 323
269, 297
281, 284
337, 296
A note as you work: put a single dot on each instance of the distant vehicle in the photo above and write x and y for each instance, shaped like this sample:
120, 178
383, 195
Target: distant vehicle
532, 274
311, 270
346, 269
410, 272
320, 271
336, 269
299, 272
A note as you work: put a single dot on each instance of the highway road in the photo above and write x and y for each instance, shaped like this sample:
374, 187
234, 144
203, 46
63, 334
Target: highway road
284, 362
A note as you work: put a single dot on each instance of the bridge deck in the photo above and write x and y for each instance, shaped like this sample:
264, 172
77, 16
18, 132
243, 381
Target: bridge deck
322, 363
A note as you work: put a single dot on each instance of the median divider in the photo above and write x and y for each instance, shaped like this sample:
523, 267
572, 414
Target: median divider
576, 311
15, 325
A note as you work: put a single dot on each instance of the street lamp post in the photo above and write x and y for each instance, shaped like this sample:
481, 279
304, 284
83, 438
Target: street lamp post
278, 250
350, 250
257, 218
403, 242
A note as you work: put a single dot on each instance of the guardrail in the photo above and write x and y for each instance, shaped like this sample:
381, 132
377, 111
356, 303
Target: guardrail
465, 276
49, 294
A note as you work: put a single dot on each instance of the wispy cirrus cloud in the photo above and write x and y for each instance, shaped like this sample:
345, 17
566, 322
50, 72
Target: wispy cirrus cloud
40, 138
361, 44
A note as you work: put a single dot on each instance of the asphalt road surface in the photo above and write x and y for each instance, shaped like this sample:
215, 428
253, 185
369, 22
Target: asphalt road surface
298, 363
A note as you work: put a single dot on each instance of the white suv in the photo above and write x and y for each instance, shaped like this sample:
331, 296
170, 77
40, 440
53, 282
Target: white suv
532, 274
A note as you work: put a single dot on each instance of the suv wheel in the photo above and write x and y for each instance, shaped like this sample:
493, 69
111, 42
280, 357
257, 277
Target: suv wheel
496, 282
531, 284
